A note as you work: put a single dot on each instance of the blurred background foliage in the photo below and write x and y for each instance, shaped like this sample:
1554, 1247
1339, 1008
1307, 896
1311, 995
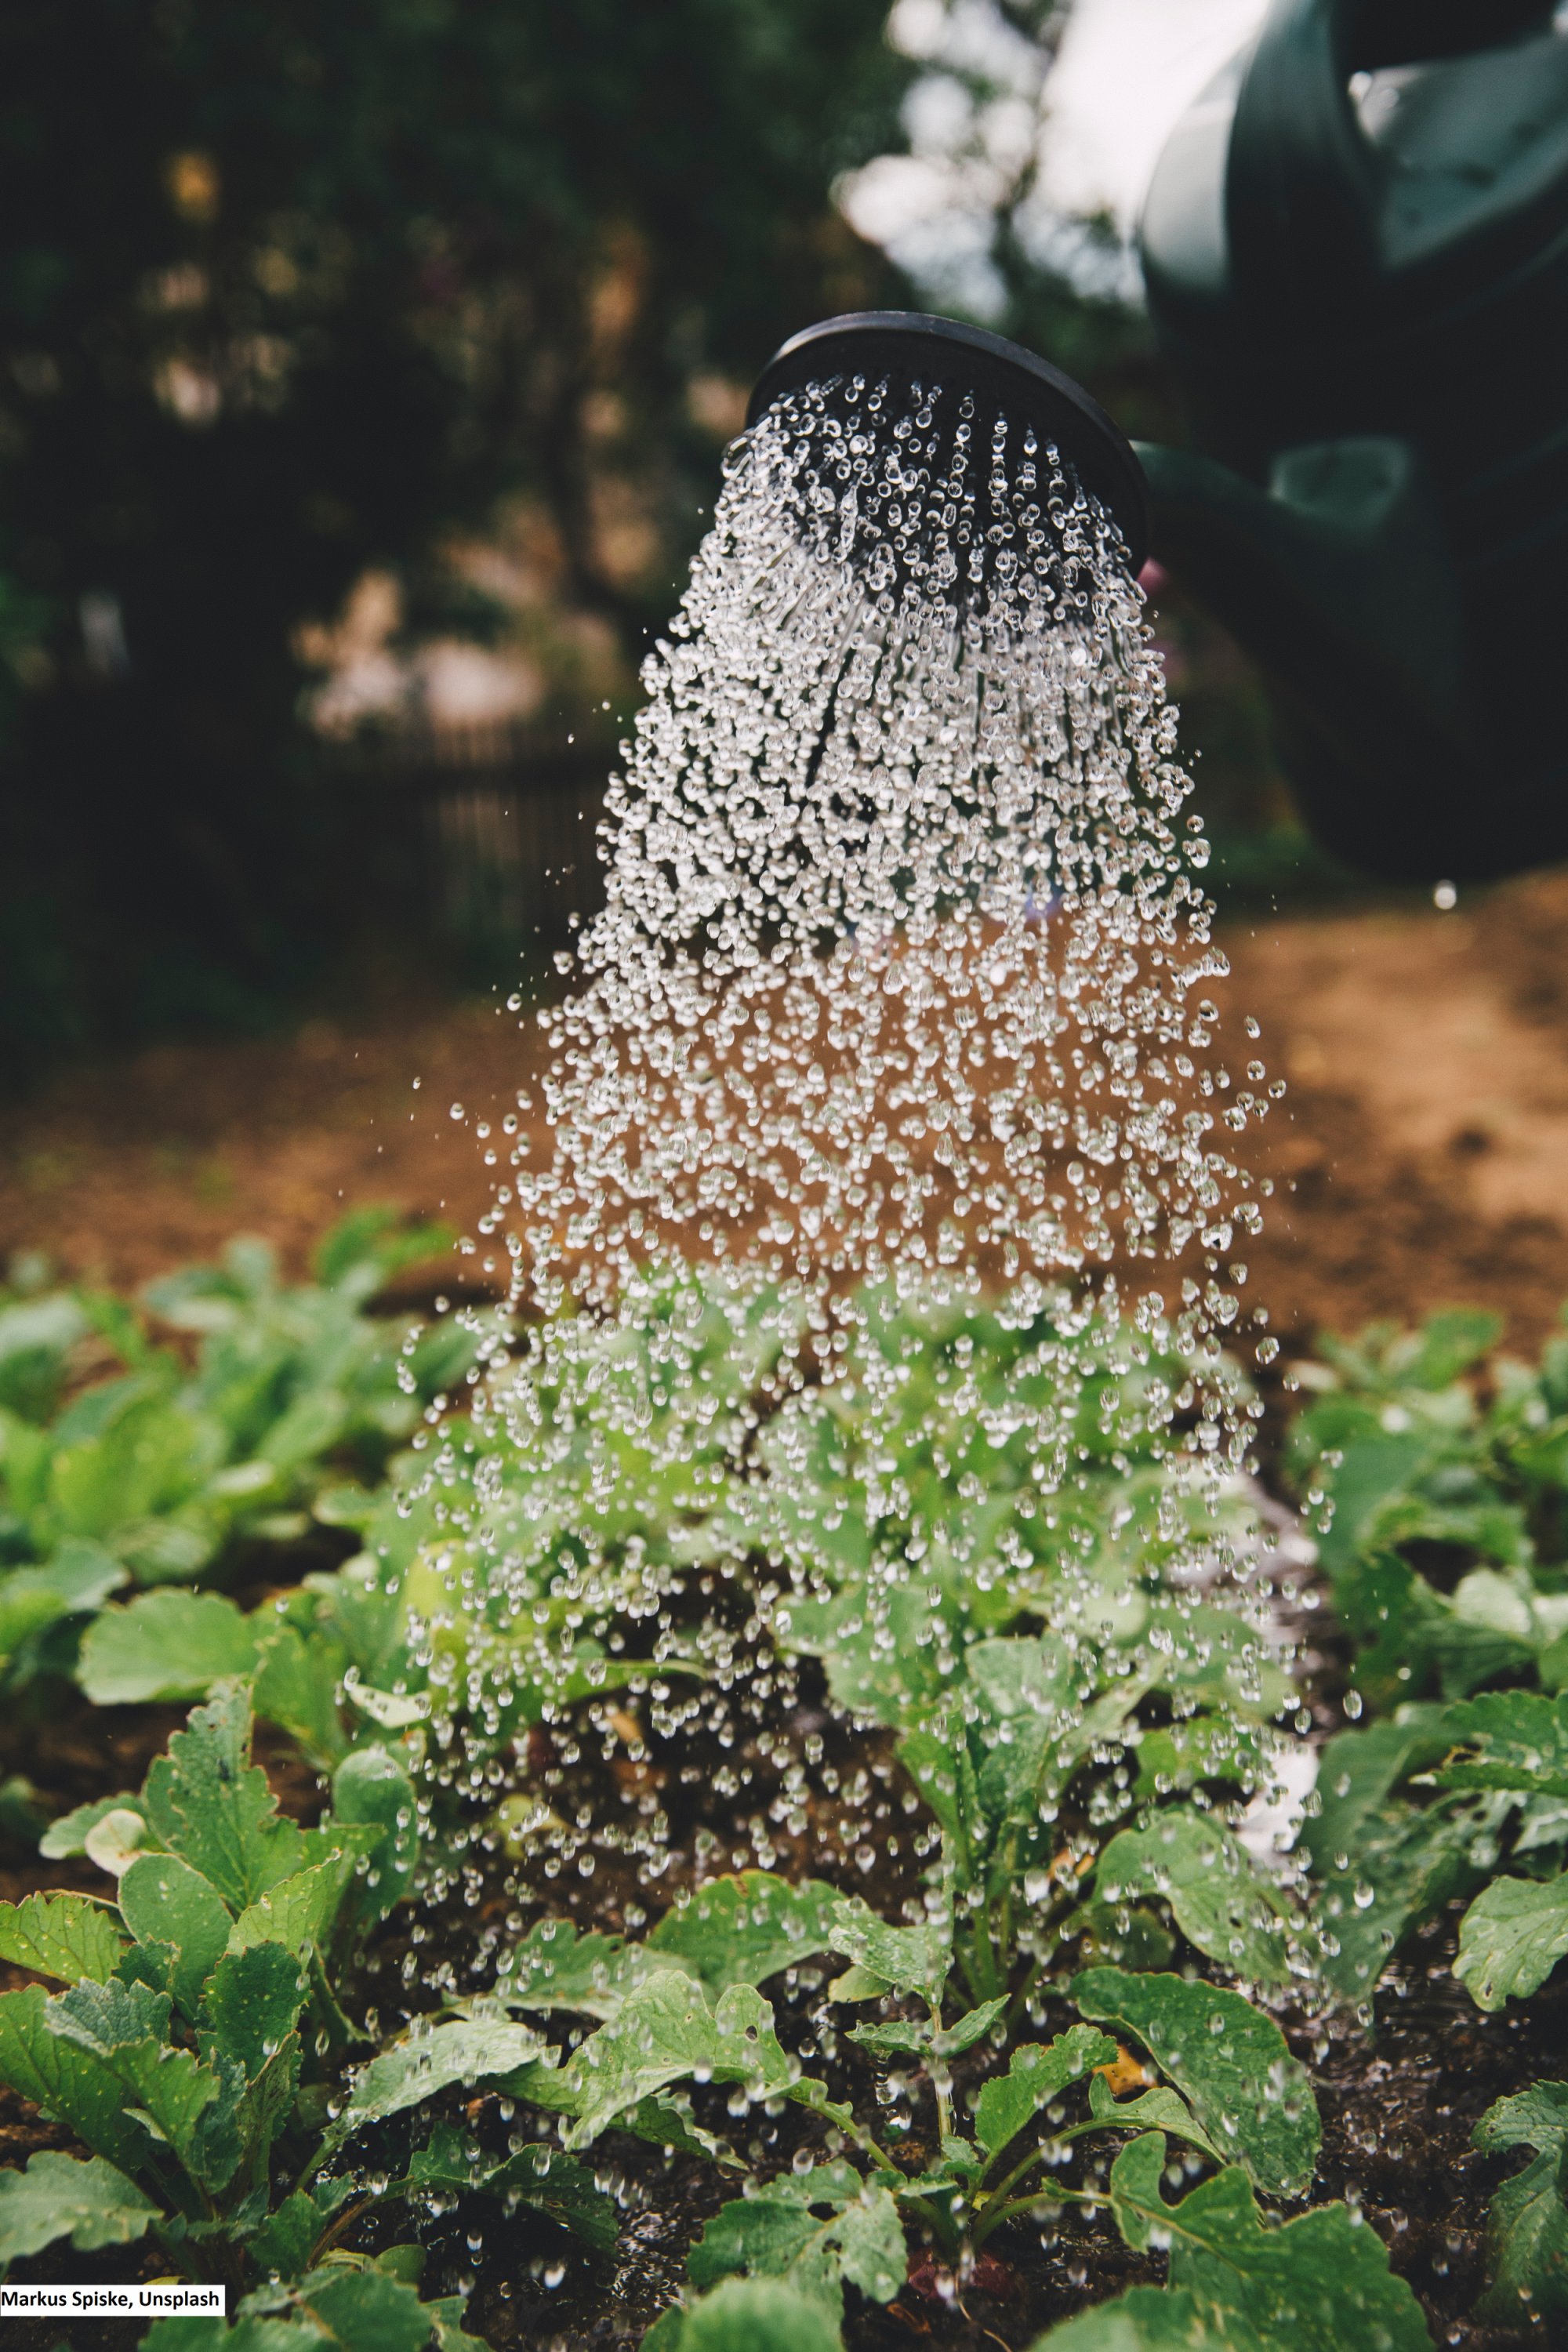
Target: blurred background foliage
366, 370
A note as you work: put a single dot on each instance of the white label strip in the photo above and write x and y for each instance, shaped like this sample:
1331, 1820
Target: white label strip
151, 2299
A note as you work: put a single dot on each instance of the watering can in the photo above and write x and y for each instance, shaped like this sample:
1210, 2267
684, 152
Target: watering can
1355, 248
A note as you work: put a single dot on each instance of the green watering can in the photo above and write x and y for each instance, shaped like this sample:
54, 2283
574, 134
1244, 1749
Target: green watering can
1355, 246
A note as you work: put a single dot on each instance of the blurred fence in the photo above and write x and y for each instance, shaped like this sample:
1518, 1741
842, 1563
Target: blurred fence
504, 821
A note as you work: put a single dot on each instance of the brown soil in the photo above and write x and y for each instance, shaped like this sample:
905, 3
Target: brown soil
1421, 1153
1420, 1156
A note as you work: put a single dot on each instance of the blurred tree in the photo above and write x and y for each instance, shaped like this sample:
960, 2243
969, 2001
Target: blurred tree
285, 291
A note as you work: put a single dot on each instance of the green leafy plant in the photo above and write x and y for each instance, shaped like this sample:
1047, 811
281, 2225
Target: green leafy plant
684, 2007
986, 1531
1320, 2281
1445, 1507
365, 2306
1438, 1803
154, 1476
1527, 2225
599, 1482
194, 2006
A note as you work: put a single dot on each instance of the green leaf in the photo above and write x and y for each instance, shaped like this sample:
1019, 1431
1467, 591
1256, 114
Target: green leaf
1202, 1747
416, 2070
164, 1900
1229, 2061
1527, 2247
67, 2080
297, 1911
163, 1645
253, 2003
297, 1688
910, 1959
369, 1790
368, 1246
1521, 1740
1527, 2221
67, 1835
66, 1936
264, 2105
775, 2234
1121, 1938
858, 1984
664, 2032
1536, 2118
150, 1964
556, 1968
80, 1576
59, 2196
1511, 1937
447, 2313
1318, 2284
365, 2311
35, 1336
754, 2316
1155, 2319
743, 1929
1218, 1899
1027, 1686
214, 1807
118, 1839
668, 2123
1156, 2110
943, 1773
282, 2247
539, 2177
906, 2034
125, 2027
250, 2334
1359, 1772
1036, 2075
146, 1457
1411, 1864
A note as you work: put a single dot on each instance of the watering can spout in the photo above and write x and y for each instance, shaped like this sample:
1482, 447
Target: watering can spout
1338, 581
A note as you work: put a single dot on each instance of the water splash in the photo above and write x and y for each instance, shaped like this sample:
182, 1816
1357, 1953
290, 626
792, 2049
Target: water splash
897, 971
895, 1010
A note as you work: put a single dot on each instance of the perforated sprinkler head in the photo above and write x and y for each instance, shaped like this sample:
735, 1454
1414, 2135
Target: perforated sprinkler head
909, 349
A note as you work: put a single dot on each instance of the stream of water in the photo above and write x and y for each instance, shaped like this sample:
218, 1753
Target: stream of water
899, 995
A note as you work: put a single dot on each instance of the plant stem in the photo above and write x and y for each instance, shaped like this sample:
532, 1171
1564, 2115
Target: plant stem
1027, 2204
941, 2081
1015, 2006
1002, 1942
997, 2196
335, 2228
941, 2224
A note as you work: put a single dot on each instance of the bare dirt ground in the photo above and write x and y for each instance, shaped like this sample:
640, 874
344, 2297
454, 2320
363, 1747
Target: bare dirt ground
1426, 1127
1420, 1156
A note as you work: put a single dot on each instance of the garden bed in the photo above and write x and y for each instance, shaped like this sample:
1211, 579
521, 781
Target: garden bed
1439, 1577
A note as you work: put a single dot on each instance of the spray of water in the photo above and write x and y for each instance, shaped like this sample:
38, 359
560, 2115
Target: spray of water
897, 1006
